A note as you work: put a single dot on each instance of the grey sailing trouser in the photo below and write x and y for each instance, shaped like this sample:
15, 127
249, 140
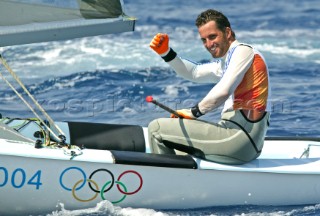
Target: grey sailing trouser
233, 140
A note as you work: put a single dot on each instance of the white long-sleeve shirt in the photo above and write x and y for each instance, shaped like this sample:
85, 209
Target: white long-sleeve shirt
241, 61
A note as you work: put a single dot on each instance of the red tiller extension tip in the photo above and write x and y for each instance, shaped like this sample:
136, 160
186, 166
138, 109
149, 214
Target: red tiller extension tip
149, 99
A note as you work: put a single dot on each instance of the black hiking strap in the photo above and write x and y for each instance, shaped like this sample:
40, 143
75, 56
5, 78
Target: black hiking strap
150, 159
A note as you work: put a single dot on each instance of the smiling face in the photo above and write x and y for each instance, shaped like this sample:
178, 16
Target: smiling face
216, 41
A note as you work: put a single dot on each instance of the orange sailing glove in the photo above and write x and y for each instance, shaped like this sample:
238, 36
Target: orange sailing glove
160, 43
185, 113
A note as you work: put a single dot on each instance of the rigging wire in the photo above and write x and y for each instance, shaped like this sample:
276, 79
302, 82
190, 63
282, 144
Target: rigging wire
61, 135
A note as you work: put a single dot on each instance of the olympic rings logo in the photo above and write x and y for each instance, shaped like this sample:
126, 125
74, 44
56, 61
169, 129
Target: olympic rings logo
93, 185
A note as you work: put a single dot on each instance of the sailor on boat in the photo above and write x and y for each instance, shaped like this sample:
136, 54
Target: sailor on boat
241, 78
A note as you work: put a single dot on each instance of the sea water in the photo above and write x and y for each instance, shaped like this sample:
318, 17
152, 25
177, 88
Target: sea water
106, 79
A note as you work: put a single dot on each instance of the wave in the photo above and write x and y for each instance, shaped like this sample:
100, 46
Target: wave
107, 208
308, 34
131, 50
185, 32
113, 95
282, 50
118, 82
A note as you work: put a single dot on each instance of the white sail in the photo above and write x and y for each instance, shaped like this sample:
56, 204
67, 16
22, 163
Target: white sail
23, 22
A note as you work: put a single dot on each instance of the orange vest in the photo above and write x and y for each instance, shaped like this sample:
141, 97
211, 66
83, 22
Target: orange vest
252, 92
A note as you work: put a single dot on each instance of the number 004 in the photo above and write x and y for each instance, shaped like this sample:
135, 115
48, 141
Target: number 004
19, 178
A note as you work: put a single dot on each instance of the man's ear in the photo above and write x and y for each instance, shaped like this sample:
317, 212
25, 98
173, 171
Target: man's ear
228, 32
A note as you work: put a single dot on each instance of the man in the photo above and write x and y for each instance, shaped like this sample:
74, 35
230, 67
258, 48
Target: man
242, 84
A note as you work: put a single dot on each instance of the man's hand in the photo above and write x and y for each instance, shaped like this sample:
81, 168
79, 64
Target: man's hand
185, 113
160, 43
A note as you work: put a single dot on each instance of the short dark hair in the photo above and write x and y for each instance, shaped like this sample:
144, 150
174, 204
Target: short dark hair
214, 15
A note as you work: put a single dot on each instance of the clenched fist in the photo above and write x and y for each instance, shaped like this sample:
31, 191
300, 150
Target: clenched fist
160, 43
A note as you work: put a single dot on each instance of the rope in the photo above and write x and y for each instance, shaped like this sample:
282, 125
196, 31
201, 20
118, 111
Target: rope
3, 61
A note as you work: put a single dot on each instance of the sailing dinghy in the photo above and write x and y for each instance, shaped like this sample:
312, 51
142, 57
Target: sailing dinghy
79, 164
114, 163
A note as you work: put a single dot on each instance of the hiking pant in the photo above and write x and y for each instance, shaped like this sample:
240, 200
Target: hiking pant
233, 140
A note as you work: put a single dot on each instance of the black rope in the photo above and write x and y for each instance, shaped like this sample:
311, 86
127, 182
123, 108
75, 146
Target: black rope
248, 135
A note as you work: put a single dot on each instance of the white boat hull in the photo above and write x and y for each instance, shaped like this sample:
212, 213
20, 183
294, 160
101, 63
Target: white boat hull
35, 181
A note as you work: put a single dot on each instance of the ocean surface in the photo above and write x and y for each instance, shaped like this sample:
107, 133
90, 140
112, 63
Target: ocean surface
107, 78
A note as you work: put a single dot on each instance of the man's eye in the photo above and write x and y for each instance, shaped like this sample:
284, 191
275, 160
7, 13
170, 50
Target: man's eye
212, 37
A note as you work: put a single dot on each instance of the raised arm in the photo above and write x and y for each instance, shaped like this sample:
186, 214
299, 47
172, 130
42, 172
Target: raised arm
201, 73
